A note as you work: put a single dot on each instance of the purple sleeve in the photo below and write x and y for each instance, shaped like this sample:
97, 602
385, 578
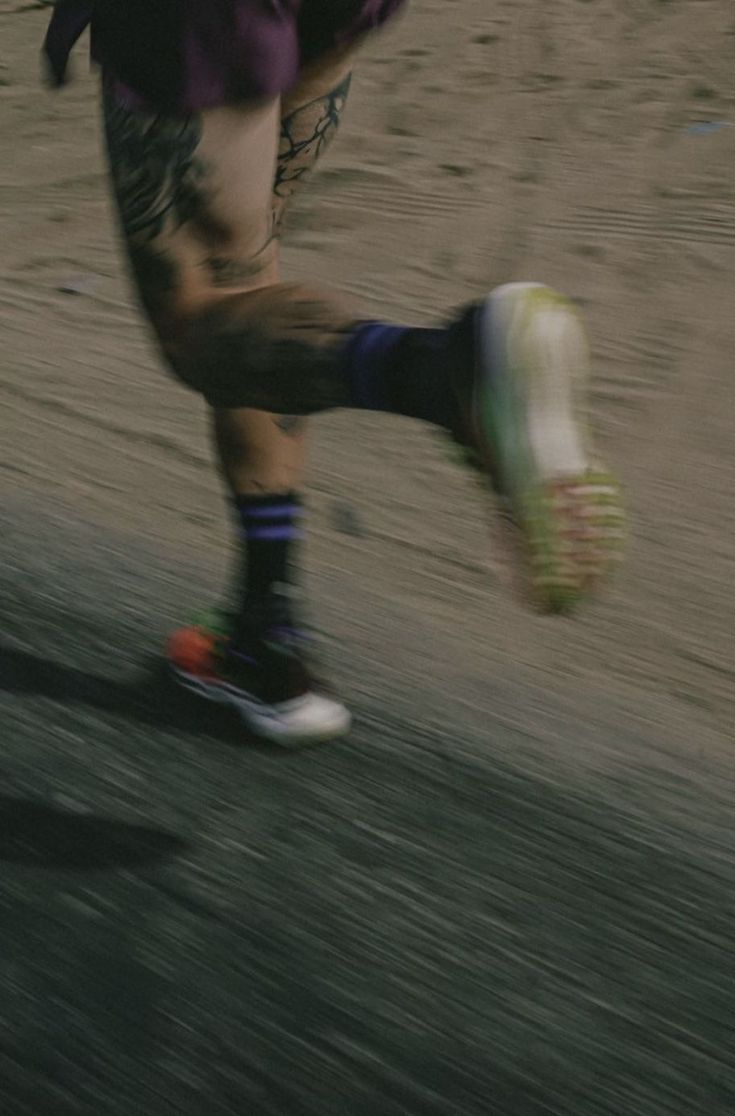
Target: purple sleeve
69, 20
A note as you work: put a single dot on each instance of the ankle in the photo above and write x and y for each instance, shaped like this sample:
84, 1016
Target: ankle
267, 615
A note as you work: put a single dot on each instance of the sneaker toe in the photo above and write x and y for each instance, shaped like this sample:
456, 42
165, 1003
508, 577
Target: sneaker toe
311, 717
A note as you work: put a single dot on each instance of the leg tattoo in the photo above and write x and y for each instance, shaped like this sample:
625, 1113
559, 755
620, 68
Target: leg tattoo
276, 350
158, 182
156, 171
305, 134
271, 348
290, 424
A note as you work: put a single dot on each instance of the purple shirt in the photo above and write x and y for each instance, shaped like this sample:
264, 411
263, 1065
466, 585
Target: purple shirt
188, 55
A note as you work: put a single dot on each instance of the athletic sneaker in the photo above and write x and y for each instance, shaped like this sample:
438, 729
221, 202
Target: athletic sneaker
525, 415
271, 688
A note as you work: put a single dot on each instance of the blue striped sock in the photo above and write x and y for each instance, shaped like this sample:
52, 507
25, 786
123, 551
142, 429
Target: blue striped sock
268, 527
403, 370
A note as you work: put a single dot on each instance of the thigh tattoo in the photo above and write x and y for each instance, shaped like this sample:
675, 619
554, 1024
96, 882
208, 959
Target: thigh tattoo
159, 186
156, 172
305, 135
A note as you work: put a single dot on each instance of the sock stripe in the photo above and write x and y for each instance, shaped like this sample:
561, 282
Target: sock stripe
367, 351
271, 532
270, 526
272, 511
409, 371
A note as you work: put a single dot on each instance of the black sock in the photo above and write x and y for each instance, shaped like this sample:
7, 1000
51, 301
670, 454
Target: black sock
268, 526
410, 371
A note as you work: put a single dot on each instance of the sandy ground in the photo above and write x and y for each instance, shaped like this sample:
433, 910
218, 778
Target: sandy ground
512, 879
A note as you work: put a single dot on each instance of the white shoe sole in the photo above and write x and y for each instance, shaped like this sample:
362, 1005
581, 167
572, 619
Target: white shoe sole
531, 410
309, 719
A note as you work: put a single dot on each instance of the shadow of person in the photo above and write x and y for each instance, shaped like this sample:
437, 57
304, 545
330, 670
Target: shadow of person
151, 698
39, 834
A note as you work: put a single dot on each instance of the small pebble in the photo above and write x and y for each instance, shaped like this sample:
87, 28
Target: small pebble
345, 519
79, 284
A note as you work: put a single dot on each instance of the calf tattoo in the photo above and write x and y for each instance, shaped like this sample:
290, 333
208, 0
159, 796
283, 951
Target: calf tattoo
237, 358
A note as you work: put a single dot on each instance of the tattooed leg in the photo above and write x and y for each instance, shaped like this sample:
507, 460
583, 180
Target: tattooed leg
267, 452
264, 454
194, 200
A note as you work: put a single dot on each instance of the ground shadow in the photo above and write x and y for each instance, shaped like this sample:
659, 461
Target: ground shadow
42, 835
151, 698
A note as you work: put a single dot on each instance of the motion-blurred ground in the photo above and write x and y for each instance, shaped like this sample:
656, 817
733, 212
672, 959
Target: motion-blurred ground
510, 891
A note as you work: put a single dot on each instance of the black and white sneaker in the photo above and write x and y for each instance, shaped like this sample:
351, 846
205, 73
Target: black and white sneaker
270, 686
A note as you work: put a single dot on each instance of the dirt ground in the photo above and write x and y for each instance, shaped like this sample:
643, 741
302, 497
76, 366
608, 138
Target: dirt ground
547, 141
590, 145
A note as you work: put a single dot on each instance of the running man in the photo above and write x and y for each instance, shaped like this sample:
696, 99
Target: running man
215, 113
